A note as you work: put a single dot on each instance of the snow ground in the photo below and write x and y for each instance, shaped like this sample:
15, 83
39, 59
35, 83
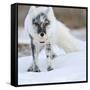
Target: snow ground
68, 68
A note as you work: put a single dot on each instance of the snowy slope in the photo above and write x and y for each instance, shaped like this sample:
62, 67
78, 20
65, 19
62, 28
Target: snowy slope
68, 67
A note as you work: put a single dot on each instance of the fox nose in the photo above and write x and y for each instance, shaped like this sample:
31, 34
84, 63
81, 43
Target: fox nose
41, 34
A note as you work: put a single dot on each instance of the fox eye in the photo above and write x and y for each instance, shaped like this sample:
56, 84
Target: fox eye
35, 22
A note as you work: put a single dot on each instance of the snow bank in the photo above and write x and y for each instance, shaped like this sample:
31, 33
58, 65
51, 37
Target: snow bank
68, 68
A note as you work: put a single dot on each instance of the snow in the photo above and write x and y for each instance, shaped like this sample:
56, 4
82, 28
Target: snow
67, 67
79, 33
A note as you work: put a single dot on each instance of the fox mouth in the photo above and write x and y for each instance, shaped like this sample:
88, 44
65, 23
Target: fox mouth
42, 42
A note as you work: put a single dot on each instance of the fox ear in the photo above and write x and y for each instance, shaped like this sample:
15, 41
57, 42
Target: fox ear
47, 10
51, 14
32, 8
50, 9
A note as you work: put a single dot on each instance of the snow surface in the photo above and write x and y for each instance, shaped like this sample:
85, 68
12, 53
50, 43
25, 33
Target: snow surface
68, 67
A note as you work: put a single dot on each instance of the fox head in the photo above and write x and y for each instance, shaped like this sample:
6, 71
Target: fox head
40, 20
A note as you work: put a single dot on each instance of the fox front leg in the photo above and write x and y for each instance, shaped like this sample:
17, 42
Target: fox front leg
50, 56
35, 52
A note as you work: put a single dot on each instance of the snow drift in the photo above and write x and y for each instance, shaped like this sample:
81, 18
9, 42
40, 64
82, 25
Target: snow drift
68, 67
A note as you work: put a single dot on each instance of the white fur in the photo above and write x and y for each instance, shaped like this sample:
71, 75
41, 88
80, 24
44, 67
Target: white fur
57, 32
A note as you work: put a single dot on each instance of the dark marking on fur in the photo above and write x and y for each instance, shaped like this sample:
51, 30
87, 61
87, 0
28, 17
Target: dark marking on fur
48, 45
32, 46
30, 69
34, 69
49, 68
41, 25
53, 56
47, 56
33, 49
48, 48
